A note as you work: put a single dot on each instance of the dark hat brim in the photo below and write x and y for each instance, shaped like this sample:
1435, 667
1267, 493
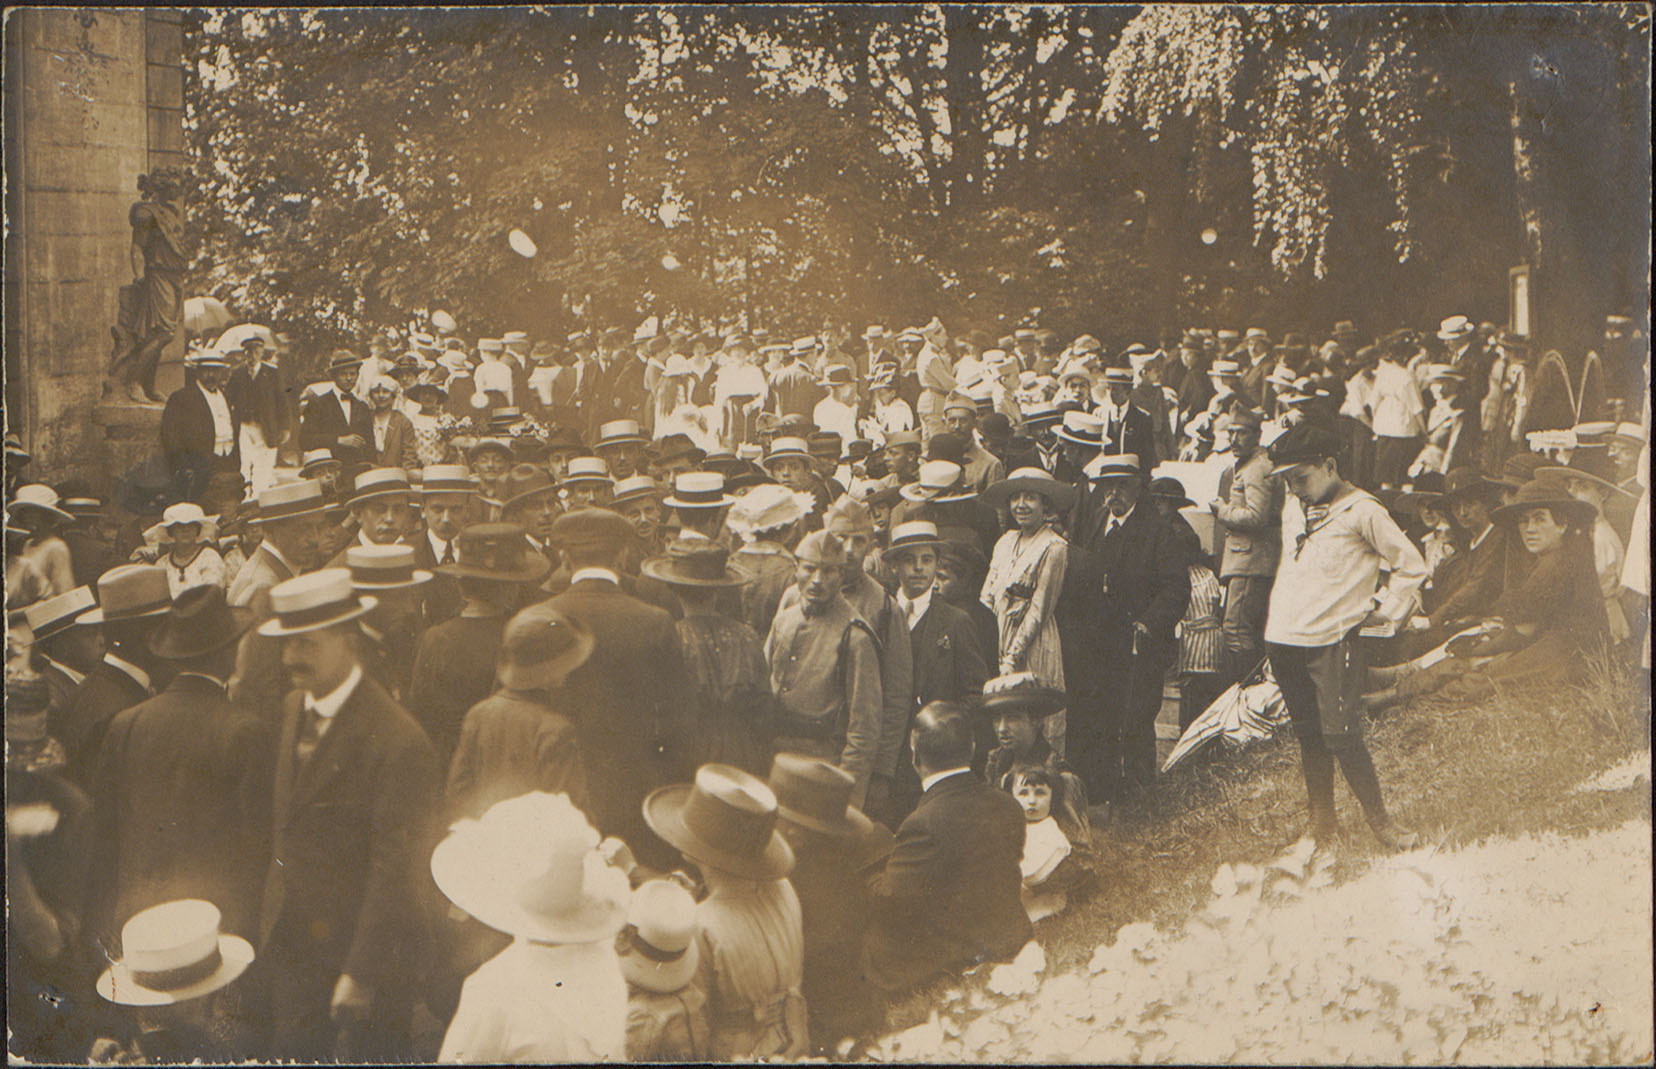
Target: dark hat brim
1561, 472
532, 676
168, 645
1036, 701
664, 813
662, 568
850, 824
535, 569
1579, 513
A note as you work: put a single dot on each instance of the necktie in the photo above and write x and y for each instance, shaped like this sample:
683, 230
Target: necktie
448, 553
310, 734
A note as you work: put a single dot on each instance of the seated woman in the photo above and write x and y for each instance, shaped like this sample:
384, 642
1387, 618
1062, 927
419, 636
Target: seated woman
1018, 705
1537, 630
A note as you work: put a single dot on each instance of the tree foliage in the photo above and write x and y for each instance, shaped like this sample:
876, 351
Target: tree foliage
987, 163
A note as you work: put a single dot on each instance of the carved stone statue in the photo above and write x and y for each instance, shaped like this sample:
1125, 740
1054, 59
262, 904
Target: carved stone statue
151, 307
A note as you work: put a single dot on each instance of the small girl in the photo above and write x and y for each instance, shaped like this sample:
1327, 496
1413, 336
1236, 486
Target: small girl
1045, 845
666, 1008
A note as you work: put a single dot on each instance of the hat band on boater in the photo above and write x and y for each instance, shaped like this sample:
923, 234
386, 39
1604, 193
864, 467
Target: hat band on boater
317, 613
654, 953
699, 497
182, 976
395, 573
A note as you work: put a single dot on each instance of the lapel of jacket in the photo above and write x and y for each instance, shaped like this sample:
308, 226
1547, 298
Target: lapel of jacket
336, 747
291, 714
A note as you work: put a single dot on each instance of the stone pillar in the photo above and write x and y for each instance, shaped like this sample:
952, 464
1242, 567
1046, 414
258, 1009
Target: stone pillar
93, 99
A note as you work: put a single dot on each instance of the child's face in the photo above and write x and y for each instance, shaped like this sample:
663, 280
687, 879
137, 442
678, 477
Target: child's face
1036, 799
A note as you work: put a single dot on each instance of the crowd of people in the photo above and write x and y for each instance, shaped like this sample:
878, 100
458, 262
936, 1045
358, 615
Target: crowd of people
683, 695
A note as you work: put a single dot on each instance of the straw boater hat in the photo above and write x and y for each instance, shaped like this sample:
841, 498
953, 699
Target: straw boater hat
695, 562
381, 482
384, 567
54, 615
699, 490
1081, 428
1021, 692
200, 622
1118, 376
782, 448
836, 375
658, 946
1113, 466
446, 479
584, 470
620, 432
766, 508
915, 534
130, 592
1030, 480
497, 551
725, 819
314, 460
314, 601
940, 481
540, 647
286, 501
1548, 493
172, 953
635, 488
531, 868
38, 498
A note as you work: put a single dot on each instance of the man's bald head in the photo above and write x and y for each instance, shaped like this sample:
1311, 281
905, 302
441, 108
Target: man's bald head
941, 738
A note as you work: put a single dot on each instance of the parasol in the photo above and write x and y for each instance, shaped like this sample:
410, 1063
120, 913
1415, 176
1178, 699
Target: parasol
1246, 711
204, 315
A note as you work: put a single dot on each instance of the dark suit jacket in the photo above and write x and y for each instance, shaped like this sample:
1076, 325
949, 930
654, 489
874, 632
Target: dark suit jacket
615, 392
949, 892
81, 723
187, 431
1136, 575
626, 699
182, 805
949, 662
1135, 434
261, 400
346, 885
442, 594
322, 424
1482, 579
649, 590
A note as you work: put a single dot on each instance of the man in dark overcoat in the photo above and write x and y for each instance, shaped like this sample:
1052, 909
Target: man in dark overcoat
343, 920
1126, 588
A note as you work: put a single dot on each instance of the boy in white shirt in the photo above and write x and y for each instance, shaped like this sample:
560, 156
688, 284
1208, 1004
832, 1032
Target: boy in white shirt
1327, 591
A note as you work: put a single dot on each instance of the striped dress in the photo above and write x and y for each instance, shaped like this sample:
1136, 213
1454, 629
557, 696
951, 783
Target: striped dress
1200, 637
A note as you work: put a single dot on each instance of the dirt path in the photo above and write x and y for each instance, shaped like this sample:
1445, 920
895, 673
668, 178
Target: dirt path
1509, 951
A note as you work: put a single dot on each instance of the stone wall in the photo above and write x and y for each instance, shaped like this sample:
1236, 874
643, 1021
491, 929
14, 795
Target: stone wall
94, 98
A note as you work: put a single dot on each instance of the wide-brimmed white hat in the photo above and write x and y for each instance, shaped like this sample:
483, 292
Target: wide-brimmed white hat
659, 951
40, 497
172, 953
184, 512
1032, 480
530, 867
766, 507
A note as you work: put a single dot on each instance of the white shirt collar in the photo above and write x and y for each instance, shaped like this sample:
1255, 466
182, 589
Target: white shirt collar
1113, 521
1478, 541
120, 663
916, 608
932, 780
438, 546
328, 706
606, 574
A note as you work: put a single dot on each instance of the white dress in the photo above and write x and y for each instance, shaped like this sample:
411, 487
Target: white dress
534, 1003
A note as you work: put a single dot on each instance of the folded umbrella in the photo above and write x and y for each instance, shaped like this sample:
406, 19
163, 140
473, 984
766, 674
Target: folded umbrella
1248, 710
